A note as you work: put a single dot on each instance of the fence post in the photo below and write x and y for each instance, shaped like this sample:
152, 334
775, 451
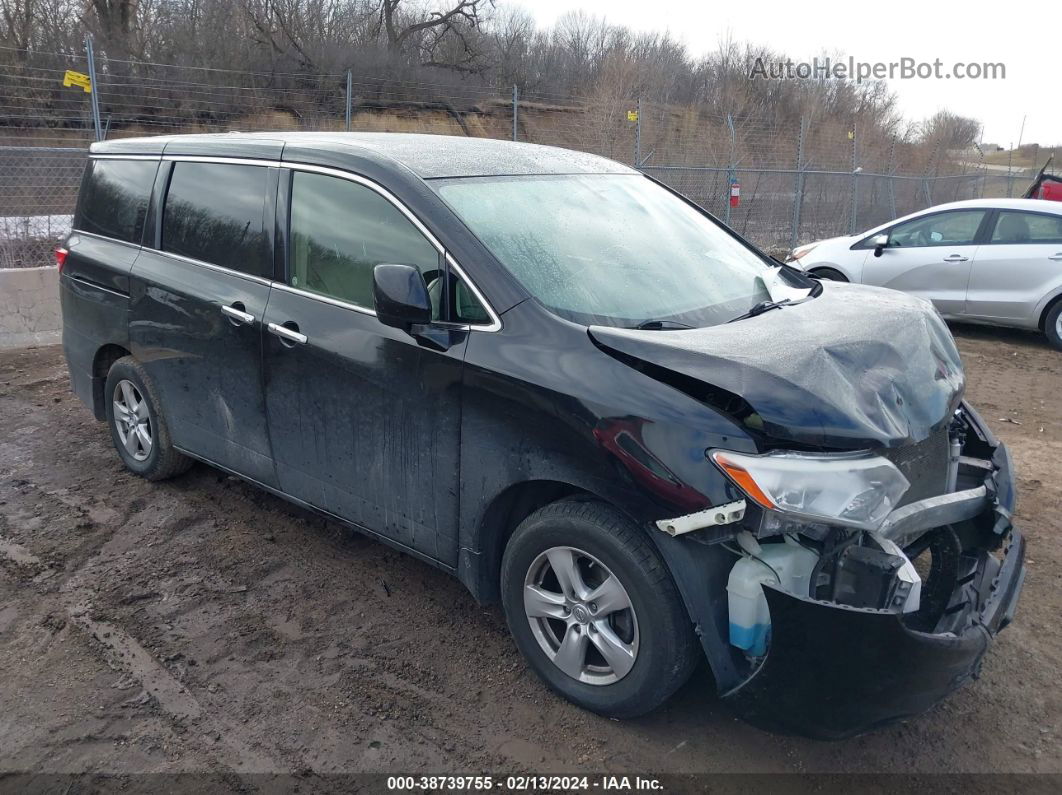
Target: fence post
1010, 158
516, 109
730, 176
349, 102
892, 179
638, 135
853, 221
94, 93
798, 187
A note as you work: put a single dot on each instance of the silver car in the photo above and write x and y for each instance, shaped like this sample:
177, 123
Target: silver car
995, 261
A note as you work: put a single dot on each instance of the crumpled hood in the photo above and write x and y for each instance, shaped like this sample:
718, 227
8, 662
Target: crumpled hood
855, 367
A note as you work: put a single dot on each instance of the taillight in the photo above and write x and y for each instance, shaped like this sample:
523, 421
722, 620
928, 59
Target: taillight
60, 258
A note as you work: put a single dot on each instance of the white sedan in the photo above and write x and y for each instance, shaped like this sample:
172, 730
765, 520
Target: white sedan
995, 261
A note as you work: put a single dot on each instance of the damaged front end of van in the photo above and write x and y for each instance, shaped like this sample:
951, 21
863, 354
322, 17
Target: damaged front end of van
865, 543
868, 624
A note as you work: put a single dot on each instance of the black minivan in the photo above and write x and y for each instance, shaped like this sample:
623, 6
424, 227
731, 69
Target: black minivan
573, 388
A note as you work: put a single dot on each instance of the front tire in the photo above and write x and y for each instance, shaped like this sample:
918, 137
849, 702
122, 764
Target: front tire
828, 274
1053, 326
138, 429
594, 610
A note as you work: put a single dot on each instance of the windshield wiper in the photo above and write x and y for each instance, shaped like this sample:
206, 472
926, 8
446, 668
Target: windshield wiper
656, 325
761, 307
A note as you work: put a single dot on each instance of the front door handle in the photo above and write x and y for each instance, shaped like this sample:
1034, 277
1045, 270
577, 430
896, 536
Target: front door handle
1056, 257
237, 315
955, 258
288, 335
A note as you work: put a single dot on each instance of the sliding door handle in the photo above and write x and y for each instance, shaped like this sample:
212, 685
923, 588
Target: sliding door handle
237, 315
287, 334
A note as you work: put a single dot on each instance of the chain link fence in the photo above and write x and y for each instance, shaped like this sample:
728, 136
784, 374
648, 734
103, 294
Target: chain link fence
796, 183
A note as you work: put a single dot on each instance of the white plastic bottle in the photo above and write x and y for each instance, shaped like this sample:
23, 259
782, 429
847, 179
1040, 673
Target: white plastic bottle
787, 565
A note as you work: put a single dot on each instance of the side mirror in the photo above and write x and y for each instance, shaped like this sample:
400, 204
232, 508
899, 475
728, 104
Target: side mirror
880, 242
400, 296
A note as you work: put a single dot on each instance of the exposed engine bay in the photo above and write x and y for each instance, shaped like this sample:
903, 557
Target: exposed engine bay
839, 584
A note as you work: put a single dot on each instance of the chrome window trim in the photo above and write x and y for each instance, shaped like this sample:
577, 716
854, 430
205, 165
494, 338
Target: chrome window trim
97, 236
232, 161
494, 325
210, 266
93, 156
326, 299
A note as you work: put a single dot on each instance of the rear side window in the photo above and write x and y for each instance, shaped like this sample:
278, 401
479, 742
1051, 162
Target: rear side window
114, 198
215, 212
1019, 227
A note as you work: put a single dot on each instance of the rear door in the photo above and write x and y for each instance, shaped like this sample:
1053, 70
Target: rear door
197, 302
364, 419
930, 256
1020, 263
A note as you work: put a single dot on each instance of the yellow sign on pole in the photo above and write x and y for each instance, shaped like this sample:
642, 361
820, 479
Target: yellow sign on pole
82, 81
632, 115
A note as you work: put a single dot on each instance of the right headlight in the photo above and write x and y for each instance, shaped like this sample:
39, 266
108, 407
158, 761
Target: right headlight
855, 490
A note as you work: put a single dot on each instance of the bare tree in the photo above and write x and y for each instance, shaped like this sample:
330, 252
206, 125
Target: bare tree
117, 23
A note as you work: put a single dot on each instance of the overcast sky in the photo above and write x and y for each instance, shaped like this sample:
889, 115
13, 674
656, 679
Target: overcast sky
1016, 34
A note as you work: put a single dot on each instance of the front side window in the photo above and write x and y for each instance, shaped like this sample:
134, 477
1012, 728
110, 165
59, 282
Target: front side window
611, 249
1018, 227
341, 230
215, 212
114, 198
958, 228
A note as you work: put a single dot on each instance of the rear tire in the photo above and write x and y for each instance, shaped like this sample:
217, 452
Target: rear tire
828, 274
138, 429
1053, 326
633, 644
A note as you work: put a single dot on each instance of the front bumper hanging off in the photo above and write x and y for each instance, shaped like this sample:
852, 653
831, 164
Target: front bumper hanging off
832, 671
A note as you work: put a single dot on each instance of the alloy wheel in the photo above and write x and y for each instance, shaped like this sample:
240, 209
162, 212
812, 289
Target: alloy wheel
581, 616
132, 421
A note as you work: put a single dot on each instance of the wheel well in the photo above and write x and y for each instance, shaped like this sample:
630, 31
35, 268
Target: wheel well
826, 268
504, 515
101, 365
105, 357
1047, 311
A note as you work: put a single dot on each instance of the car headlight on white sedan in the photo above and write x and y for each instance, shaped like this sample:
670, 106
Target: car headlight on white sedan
856, 490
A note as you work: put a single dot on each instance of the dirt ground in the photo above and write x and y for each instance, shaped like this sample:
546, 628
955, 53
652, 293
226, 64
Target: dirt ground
202, 625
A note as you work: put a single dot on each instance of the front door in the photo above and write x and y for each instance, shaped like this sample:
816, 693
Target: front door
364, 419
196, 308
929, 256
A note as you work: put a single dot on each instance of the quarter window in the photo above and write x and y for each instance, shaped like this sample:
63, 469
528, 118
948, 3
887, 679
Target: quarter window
215, 212
957, 228
341, 230
114, 198
1018, 227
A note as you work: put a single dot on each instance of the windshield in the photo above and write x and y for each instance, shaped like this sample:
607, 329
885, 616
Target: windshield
613, 249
